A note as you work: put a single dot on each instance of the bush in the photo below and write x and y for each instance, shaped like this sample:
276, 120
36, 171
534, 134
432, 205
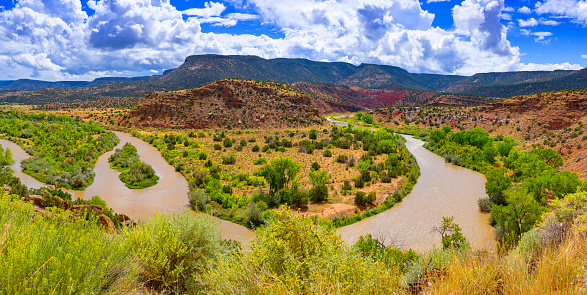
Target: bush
327, 153
217, 146
293, 255
341, 159
360, 198
227, 142
175, 250
255, 148
315, 166
260, 161
318, 194
39, 254
484, 205
230, 160
198, 199
310, 148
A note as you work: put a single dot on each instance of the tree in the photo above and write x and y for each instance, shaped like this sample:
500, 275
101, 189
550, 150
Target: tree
437, 135
549, 156
279, 173
520, 214
504, 148
497, 183
319, 192
368, 119
450, 232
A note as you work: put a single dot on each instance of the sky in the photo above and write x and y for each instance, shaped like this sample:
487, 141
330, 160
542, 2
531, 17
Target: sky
82, 40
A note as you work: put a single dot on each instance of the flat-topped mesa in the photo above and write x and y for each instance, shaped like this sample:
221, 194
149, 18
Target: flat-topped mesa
227, 103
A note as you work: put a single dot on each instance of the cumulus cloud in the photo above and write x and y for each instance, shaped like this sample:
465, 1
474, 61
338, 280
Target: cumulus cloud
531, 22
584, 56
574, 9
210, 9
549, 22
541, 37
56, 39
524, 10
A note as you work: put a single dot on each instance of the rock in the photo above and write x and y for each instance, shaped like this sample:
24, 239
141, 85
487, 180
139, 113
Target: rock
96, 208
7, 188
107, 223
37, 200
39, 210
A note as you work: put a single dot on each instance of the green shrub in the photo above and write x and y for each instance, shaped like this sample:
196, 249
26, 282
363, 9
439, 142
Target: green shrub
360, 198
57, 254
174, 250
293, 255
327, 153
255, 148
260, 161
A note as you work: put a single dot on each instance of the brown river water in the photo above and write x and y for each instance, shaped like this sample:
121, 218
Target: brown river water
442, 190
169, 194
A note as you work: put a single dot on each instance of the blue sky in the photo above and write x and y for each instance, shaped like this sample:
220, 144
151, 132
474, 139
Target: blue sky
82, 40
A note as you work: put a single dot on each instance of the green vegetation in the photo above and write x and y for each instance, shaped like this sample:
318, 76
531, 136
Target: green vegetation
246, 185
183, 253
64, 150
136, 174
139, 175
519, 183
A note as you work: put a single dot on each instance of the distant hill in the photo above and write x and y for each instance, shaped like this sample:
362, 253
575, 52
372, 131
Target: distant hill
198, 70
391, 96
27, 84
226, 103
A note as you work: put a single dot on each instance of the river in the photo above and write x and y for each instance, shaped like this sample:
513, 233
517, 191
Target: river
442, 190
169, 194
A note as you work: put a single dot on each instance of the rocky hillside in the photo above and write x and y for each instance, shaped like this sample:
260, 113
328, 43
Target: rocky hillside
391, 96
556, 120
226, 103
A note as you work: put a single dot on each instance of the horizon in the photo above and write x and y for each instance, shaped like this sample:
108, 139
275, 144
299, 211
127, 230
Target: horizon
232, 55
73, 40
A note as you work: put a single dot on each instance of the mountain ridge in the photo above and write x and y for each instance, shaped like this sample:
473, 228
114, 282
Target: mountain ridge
198, 70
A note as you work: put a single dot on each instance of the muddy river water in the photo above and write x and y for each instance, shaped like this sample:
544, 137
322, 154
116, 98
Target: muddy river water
442, 190
169, 194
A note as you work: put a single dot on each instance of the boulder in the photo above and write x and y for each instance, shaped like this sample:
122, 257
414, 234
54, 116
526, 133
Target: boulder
37, 200
107, 223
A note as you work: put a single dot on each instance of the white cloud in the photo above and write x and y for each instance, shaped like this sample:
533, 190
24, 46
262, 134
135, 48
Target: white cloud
541, 37
524, 10
574, 9
531, 22
506, 16
432, 1
508, 9
549, 22
210, 9
56, 39
584, 56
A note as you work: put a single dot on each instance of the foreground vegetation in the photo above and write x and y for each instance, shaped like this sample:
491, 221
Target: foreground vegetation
183, 253
64, 150
343, 174
136, 174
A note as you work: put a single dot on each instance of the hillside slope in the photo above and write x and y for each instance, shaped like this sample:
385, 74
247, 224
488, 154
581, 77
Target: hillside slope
226, 103
394, 95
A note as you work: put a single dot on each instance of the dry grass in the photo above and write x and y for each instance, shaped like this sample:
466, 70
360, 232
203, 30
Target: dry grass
559, 270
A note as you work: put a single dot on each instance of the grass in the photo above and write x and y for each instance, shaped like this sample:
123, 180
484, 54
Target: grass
183, 253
